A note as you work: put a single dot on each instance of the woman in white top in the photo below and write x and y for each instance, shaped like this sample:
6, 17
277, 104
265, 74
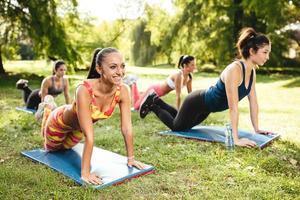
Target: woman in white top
175, 81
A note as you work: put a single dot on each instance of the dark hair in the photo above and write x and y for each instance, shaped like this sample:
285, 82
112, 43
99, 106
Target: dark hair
184, 59
248, 39
98, 57
56, 65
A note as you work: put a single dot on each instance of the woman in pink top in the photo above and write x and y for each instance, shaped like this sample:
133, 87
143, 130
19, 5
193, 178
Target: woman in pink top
175, 81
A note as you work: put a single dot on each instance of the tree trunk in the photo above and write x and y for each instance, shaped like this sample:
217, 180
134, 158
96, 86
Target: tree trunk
2, 71
237, 19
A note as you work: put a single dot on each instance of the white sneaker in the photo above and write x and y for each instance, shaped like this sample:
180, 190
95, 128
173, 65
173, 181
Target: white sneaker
130, 79
21, 84
49, 102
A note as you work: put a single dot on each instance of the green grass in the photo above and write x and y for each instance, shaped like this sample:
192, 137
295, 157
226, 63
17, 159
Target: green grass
185, 169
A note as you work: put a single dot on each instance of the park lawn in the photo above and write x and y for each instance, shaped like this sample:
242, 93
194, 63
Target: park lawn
185, 169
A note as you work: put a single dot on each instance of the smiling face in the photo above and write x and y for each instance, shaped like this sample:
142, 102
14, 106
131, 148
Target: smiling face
112, 68
261, 56
191, 66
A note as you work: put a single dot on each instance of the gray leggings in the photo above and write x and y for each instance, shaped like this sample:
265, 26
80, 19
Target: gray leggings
191, 113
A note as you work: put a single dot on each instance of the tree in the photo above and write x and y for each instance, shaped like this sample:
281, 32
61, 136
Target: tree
212, 26
142, 50
42, 22
148, 36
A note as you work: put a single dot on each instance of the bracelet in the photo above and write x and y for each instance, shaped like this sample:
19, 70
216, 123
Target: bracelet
130, 158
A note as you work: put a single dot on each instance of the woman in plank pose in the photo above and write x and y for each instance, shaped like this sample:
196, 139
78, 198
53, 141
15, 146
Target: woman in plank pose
95, 99
236, 82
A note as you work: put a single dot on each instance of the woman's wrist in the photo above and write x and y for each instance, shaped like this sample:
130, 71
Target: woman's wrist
130, 158
85, 173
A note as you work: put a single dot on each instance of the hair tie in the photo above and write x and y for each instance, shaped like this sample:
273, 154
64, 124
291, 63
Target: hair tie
185, 56
252, 36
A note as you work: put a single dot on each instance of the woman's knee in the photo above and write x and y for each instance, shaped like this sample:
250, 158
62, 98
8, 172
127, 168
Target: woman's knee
180, 127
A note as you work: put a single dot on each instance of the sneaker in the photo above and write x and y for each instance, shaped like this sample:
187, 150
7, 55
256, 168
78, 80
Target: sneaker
49, 102
146, 103
21, 84
130, 79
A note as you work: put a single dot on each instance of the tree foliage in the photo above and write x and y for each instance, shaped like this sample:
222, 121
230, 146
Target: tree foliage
148, 35
208, 29
42, 22
217, 23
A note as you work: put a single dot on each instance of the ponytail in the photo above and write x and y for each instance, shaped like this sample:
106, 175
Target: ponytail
248, 39
92, 72
184, 59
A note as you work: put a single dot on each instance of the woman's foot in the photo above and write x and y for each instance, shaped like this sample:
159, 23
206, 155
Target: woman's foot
146, 103
21, 84
49, 103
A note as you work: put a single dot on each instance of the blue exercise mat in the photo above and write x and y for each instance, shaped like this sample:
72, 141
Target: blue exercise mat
216, 134
27, 110
110, 166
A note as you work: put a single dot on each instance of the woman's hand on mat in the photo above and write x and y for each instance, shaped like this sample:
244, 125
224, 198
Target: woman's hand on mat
133, 163
93, 179
263, 132
244, 142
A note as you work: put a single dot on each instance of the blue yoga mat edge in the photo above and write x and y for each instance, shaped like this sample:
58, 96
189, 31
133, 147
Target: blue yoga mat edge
127, 178
190, 134
277, 136
118, 181
27, 110
44, 163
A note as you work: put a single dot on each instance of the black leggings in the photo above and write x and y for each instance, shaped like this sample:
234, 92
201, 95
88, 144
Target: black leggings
31, 98
191, 113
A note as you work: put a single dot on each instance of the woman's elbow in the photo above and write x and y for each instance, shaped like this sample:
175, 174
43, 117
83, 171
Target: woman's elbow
126, 131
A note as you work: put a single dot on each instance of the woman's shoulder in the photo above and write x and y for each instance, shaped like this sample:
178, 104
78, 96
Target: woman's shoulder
176, 74
124, 88
85, 84
47, 81
48, 78
235, 64
66, 79
123, 91
232, 69
83, 89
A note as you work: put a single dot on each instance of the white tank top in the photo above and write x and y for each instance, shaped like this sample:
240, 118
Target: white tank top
171, 83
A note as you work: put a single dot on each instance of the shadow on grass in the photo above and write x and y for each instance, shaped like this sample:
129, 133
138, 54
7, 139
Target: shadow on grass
272, 78
8, 81
293, 83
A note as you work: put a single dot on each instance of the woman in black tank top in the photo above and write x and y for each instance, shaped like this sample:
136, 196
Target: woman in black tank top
236, 82
52, 85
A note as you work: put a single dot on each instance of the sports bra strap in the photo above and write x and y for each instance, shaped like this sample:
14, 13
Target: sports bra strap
90, 90
243, 67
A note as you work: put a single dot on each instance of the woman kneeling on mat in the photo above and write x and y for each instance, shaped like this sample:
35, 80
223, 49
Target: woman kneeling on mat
95, 99
235, 82
51, 85
175, 81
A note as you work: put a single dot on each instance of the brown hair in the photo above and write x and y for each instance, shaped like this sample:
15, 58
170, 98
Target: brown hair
98, 57
56, 65
248, 39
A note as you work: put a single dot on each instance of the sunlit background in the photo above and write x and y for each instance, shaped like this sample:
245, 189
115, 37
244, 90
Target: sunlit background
116, 9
